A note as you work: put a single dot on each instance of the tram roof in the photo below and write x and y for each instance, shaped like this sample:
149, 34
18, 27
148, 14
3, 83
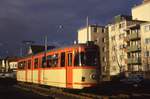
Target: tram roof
55, 49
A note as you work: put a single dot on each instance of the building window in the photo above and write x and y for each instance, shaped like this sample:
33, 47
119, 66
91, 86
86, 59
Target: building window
104, 59
114, 48
113, 28
121, 25
113, 58
95, 29
103, 30
147, 53
104, 49
104, 68
103, 40
113, 38
147, 28
147, 41
121, 36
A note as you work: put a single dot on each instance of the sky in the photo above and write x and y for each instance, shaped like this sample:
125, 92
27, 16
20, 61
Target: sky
31, 20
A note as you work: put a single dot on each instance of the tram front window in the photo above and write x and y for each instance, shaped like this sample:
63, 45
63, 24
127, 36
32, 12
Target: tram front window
88, 58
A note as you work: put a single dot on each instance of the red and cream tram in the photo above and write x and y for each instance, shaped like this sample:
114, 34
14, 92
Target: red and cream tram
73, 67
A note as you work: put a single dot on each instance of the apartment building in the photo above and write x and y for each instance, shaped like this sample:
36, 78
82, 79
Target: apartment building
120, 46
142, 11
8, 64
133, 40
99, 35
145, 46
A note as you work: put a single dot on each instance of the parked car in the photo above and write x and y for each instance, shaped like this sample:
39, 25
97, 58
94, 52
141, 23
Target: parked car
132, 79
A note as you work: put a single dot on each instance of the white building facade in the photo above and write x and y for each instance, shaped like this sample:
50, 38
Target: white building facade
142, 11
99, 35
145, 45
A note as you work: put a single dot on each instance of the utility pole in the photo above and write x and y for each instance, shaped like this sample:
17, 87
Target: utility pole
45, 57
45, 41
87, 24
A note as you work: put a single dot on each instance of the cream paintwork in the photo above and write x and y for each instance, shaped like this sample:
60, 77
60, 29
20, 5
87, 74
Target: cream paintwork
29, 75
79, 73
54, 77
21, 75
57, 77
35, 76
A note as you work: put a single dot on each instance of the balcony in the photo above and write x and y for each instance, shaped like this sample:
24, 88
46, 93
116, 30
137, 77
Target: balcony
126, 39
134, 60
134, 36
134, 48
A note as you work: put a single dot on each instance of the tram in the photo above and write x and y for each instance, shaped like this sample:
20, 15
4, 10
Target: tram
73, 67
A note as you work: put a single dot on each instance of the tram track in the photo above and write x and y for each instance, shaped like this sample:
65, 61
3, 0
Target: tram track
55, 93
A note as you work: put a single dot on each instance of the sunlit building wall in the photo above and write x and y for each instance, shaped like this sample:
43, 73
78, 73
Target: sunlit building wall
145, 45
142, 11
118, 43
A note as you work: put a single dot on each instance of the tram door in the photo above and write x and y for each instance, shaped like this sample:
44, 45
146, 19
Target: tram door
69, 71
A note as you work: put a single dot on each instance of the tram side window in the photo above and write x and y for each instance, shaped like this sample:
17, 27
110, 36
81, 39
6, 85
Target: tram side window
21, 65
54, 60
44, 62
24, 64
70, 59
62, 59
29, 64
49, 61
36, 63
76, 59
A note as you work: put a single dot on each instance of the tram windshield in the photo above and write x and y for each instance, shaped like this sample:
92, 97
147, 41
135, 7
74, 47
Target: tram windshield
87, 58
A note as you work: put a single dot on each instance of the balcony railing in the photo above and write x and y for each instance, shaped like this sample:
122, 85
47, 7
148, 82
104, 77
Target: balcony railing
134, 36
134, 60
126, 39
134, 48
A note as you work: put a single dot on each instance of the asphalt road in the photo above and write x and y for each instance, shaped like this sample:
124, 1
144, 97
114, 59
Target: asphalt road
8, 91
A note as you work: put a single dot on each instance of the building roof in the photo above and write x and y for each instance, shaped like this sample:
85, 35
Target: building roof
92, 25
39, 48
120, 18
145, 2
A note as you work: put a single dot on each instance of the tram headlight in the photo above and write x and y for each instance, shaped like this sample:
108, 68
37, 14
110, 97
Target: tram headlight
94, 76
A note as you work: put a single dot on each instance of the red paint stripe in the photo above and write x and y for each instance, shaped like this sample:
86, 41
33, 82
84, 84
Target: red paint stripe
76, 67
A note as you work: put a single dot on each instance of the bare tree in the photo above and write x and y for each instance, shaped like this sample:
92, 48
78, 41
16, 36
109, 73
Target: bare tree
117, 53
